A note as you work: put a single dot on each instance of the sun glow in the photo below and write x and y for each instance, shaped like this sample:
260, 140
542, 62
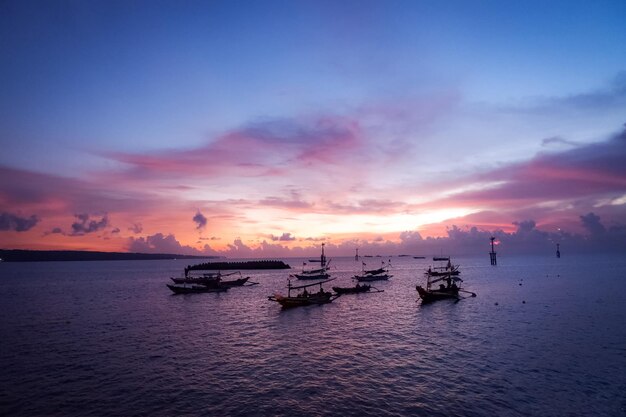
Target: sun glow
317, 224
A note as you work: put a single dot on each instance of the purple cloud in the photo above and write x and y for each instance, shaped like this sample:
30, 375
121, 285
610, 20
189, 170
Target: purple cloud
525, 226
16, 223
591, 222
136, 228
160, 243
84, 225
199, 220
54, 231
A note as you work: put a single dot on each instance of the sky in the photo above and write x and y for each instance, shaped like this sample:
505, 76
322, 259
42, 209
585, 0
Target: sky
265, 128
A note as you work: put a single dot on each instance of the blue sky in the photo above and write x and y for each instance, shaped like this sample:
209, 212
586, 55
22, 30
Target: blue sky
89, 86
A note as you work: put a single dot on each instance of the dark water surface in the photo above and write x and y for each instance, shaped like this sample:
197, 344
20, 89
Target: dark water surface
108, 338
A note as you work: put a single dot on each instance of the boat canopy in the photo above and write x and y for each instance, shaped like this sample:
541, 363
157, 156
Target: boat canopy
445, 278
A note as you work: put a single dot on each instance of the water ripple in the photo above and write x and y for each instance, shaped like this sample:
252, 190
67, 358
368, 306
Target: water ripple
107, 338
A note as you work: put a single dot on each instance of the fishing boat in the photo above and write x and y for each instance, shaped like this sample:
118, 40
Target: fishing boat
207, 278
318, 273
352, 290
448, 290
194, 289
380, 274
213, 279
305, 297
441, 286
369, 278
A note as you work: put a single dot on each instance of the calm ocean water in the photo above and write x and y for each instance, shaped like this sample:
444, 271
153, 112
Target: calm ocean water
108, 338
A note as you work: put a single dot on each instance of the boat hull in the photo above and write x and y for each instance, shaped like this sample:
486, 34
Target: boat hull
211, 282
234, 283
368, 278
195, 289
441, 274
352, 290
312, 276
428, 296
290, 302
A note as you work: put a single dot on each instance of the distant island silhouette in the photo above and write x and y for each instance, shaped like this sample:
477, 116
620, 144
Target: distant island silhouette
21, 255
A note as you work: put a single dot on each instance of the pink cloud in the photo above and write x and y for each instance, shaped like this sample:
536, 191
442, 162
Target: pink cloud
49, 193
269, 148
587, 172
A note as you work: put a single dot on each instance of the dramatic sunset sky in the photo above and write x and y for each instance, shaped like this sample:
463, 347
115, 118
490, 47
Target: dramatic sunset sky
263, 128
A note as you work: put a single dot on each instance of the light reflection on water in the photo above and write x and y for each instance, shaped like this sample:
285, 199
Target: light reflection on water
107, 338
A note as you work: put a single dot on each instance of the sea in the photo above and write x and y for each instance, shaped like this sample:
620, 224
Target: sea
543, 337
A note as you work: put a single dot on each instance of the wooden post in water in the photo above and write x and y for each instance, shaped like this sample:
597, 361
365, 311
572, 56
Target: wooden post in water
492, 254
558, 251
356, 257
323, 257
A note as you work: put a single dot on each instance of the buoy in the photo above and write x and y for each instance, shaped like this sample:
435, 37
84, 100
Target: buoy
523, 302
496, 303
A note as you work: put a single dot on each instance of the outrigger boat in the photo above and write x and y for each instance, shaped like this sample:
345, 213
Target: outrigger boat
213, 279
449, 286
319, 273
194, 289
448, 290
379, 274
352, 290
202, 280
209, 283
305, 297
369, 278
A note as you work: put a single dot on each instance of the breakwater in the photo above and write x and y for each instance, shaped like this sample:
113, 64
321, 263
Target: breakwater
218, 266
